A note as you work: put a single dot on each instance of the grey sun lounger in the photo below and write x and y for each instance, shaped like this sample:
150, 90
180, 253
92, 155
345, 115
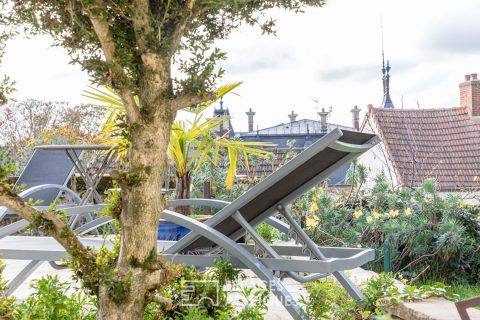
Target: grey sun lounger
45, 177
219, 236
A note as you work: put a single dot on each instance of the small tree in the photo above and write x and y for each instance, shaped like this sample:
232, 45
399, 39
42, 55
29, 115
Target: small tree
133, 46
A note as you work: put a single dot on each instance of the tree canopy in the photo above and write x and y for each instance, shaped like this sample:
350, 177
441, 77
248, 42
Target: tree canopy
127, 44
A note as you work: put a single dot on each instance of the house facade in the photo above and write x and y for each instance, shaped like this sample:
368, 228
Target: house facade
442, 144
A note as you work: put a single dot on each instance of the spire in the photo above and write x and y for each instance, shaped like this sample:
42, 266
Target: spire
387, 101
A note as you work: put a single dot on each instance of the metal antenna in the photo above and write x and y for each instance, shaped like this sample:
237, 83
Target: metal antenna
383, 51
316, 101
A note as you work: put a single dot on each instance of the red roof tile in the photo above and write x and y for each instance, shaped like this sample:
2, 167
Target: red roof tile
443, 144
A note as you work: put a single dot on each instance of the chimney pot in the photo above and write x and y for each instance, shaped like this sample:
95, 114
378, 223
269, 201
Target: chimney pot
470, 96
292, 116
250, 115
323, 120
356, 118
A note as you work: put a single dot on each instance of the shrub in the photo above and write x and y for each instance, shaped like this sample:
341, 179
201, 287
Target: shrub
7, 305
203, 296
268, 233
327, 299
52, 301
431, 237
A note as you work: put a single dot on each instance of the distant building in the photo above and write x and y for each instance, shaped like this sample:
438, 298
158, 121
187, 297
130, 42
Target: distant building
441, 144
301, 134
225, 127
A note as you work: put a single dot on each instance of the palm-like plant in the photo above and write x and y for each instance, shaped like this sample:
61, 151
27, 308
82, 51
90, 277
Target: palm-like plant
191, 143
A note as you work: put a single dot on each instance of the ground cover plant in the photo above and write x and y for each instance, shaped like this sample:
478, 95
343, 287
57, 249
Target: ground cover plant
327, 299
53, 299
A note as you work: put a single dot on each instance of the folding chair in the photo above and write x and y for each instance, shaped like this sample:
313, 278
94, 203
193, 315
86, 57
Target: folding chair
218, 236
45, 177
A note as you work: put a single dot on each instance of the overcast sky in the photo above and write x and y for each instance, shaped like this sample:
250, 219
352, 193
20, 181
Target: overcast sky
331, 54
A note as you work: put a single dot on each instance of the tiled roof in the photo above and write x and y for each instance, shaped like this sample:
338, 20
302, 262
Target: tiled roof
443, 144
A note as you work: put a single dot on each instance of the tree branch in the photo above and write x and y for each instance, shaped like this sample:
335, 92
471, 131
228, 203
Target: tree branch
108, 45
182, 26
53, 225
166, 302
141, 24
185, 100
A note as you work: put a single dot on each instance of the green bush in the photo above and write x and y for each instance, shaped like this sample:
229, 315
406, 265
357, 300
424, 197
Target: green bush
431, 237
7, 305
270, 234
327, 299
52, 301
212, 286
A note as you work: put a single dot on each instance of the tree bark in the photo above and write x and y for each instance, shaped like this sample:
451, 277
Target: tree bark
131, 308
142, 205
142, 199
182, 190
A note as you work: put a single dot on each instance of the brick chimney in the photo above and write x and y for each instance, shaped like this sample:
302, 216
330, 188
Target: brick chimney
470, 95
355, 118
250, 115
292, 116
323, 120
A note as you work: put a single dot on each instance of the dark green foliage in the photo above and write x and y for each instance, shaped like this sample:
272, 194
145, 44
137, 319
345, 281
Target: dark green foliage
268, 233
52, 300
254, 300
215, 285
329, 300
431, 236
118, 285
216, 175
7, 305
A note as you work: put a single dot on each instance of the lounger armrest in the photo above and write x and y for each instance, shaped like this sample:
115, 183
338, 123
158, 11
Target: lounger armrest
354, 148
12, 228
25, 193
212, 203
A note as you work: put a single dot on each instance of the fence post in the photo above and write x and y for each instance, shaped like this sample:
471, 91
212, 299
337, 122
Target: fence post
387, 257
207, 194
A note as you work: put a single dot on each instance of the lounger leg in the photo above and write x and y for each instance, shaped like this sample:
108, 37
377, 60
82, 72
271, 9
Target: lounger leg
351, 288
241, 253
22, 276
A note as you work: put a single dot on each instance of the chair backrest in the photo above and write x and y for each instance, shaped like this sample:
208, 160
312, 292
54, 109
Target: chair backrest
47, 167
303, 172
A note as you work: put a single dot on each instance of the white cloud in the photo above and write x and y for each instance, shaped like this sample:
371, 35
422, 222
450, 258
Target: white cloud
331, 54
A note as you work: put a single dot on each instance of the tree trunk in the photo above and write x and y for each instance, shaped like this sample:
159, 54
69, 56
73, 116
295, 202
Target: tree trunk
138, 266
182, 190
131, 308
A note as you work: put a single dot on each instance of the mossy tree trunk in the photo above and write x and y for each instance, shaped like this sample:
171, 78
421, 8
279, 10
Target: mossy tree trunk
138, 266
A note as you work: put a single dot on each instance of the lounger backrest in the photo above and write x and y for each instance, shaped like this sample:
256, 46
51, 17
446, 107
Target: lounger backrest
303, 172
46, 167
